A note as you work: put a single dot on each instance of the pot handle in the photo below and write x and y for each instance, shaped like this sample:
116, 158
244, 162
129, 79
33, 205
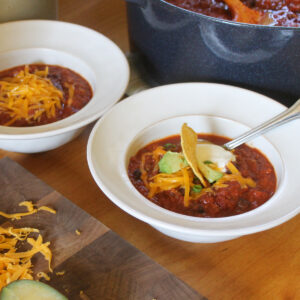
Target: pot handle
138, 2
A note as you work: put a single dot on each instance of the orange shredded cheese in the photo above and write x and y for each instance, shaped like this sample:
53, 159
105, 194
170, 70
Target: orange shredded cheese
163, 181
46, 208
232, 168
156, 155
38, 246
186, 180
237, 176
61, 273
31, 210
16, 265
43, 275
244, 182
77, 232
29, 96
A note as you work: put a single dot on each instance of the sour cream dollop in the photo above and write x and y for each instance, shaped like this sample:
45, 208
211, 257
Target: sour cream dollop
215, 154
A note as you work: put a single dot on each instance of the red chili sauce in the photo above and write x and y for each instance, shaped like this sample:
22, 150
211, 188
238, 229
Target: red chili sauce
283, 12
60, 77
222, 202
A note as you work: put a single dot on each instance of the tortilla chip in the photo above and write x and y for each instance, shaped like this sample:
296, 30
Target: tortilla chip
188, 145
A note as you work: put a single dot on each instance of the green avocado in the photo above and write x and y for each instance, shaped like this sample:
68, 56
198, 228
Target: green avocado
209, 173
30, 290
172, 162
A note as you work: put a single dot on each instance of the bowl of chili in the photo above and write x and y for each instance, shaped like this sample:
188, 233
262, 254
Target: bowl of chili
124, 134
51, 86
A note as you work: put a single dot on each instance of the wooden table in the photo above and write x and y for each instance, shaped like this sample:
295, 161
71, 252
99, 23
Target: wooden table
265, 265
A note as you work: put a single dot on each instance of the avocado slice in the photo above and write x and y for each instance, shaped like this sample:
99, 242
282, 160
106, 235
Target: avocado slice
30, 290
209, 173
171, 162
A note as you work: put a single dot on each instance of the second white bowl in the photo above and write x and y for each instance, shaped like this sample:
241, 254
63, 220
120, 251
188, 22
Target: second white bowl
78, 48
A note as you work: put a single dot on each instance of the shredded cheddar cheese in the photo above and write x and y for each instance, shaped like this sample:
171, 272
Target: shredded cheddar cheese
30, 95
186, 180
156, 155
244, 182
163, 182
16, 265
46, 208
232, 168
237, 176
43, 275
30, 208
61, 273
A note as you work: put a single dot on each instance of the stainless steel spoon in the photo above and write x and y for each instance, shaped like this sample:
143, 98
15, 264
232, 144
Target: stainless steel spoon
288, 115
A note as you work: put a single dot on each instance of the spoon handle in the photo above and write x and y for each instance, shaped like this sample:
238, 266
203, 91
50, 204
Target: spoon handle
290, 114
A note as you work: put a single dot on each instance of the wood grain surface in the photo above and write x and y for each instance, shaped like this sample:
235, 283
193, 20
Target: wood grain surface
97, 262
261, 266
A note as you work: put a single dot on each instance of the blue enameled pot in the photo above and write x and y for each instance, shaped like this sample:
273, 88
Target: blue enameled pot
178, 45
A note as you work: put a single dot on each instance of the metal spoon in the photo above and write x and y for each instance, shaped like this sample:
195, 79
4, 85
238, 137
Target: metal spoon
288, 115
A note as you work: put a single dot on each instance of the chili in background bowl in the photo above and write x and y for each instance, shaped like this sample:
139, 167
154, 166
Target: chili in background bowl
180, 45
160, 112
100, 62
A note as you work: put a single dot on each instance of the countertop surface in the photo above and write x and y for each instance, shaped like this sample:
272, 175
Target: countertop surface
265, 265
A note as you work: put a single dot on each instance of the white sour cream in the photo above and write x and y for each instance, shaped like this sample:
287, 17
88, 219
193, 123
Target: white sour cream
215, 154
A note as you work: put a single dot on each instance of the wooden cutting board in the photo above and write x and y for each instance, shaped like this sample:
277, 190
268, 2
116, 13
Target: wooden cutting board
98, 264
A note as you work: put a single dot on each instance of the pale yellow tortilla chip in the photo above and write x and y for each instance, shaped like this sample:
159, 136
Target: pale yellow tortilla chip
188, 145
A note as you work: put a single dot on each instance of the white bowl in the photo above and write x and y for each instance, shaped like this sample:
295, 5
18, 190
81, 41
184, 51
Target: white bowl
83, 50
211, 108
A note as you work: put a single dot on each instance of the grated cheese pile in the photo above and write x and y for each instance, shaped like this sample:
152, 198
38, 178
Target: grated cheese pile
14, 264
29, 96
163, 182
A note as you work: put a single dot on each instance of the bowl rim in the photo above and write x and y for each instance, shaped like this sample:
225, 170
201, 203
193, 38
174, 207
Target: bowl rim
180, 228
60, 127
